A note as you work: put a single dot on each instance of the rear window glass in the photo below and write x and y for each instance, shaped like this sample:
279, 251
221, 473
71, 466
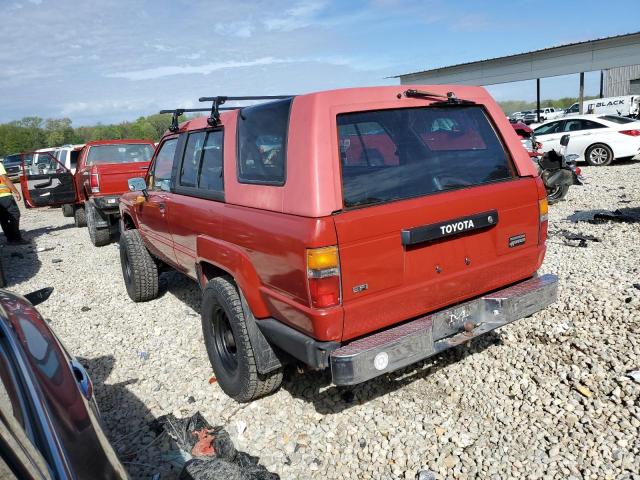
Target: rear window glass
395, 154
617, 119
119, 153
262, 143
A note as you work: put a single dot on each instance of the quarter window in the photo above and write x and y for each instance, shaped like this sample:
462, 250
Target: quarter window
160, 179
211, 169
262, 143
191, 160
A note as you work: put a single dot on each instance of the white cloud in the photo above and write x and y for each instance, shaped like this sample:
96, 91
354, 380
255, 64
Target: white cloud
191, 56
205, 69
236, 29
297, 17
105, 106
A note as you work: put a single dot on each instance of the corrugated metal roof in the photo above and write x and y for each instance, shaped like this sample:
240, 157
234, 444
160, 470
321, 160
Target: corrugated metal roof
517, 54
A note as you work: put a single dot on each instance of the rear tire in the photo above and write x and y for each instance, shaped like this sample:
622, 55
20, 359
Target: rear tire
557, 193
99, 236
139, 270
599, 155
227, 340
80, 217
67, 210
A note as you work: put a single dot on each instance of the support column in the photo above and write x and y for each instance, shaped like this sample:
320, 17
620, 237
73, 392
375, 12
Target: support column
601, 83
538, 98
581, 97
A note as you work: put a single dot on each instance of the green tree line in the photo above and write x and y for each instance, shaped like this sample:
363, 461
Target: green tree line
32, 133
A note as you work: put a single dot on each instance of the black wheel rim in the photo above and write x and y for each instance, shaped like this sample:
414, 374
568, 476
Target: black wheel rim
554, 192
224, 340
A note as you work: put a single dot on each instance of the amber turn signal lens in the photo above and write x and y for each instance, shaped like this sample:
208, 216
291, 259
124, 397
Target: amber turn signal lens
139, 200
544, 207
322, 258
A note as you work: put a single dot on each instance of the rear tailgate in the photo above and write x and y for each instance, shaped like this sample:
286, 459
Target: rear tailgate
385, 282
113, 177
438, 214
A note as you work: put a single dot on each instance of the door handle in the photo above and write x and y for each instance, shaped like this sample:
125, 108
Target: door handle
161, 207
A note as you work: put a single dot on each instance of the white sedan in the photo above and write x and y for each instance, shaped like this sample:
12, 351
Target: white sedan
597, 139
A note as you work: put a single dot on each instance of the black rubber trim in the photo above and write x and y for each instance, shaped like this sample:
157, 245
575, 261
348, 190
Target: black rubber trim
449, 228
297, 344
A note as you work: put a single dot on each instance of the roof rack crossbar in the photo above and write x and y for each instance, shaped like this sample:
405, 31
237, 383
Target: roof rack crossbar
177, 112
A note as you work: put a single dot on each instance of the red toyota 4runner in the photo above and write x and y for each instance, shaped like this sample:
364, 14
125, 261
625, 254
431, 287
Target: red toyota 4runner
91, 195
360, 229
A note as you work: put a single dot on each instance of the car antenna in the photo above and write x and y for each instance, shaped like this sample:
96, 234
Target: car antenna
450, 96
214, 118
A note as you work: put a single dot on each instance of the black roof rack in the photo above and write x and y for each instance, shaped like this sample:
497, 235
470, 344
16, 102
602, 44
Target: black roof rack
177, 112
215, 109
214, 118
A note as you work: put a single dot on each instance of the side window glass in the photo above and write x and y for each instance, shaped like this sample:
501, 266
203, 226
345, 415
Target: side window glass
262, 143
573, 125
552, 127
191, 160
160, 178
74, 159
588, 124
211, 177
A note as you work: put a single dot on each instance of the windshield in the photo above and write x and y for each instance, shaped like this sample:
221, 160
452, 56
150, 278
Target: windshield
617, 119
119, 153
401, 153
11, 160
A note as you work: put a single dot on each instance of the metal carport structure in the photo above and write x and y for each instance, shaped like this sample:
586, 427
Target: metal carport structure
581, 57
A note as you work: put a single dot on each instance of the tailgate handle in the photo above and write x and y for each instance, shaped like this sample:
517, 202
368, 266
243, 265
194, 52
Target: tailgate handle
449, 228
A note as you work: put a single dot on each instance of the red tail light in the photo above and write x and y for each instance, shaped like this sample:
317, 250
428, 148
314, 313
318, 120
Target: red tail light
631, 133
323, 274
95, 182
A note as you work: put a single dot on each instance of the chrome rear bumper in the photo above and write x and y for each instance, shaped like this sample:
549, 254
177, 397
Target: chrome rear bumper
416, 340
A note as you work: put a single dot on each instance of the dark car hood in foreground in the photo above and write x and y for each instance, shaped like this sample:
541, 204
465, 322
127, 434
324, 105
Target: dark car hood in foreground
78, 435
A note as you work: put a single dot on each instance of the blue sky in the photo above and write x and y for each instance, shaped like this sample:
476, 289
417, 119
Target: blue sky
110, 60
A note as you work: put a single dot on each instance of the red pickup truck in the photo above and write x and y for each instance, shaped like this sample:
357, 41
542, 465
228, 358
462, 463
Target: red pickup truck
91, 195
360, 230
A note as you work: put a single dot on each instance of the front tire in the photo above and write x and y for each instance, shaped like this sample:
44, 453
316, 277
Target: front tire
80, 217
599, 155
139, 270
227, 341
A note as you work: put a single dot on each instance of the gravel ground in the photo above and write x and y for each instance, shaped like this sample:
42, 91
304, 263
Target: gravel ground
546, 397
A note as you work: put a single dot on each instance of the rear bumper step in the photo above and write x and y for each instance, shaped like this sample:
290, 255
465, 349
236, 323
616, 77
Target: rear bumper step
411, 342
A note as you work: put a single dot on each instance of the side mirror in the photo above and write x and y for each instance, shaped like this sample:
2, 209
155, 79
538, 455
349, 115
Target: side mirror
564, 140
138, 184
